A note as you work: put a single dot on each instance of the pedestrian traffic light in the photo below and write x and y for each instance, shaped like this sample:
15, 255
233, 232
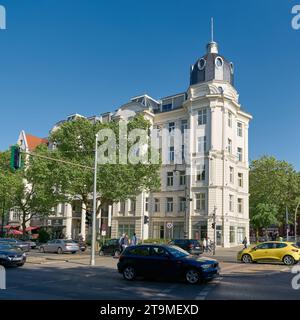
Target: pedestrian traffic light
213, 225
146, 219
15, 158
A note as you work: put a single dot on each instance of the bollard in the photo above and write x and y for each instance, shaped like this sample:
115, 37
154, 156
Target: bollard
2, 278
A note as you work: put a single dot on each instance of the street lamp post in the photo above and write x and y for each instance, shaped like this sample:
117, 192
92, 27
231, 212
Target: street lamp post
94, 204
214, 225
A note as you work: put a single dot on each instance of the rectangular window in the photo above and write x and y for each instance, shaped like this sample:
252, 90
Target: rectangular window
240, 205
184, 125
122, 207
240, 154
202, 144
231, 203
182, 153
170, 179
232, 234
229, 146
171, 154
240, 179
231, 175
200, 175
171, 127
202, 116
129, 229
167, 107
239, 129
182, 178
229, 119
200, 201
169, 204
132, 204
156, 205
146, 204
182, 202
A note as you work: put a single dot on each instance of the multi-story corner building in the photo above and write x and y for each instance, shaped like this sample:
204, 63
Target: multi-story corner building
205, 195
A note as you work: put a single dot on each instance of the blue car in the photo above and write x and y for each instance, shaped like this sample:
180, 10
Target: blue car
165, 261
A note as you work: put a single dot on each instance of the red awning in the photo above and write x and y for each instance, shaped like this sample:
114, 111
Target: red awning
31, 228
10, 227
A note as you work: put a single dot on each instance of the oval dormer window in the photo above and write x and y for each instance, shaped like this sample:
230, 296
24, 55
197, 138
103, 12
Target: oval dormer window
201, 64
219, 62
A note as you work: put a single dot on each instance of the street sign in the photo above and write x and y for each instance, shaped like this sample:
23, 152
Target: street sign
169, 225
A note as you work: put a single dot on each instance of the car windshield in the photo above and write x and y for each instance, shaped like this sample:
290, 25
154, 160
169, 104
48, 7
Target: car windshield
7, 247
177, 252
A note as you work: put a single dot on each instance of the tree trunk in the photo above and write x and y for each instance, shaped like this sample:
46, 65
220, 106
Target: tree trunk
24, 223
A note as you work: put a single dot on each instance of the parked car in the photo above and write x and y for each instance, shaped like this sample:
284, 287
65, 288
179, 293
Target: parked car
11, 256
271, 251
192, 246
23, 245
60, 246
110, 247
165, 261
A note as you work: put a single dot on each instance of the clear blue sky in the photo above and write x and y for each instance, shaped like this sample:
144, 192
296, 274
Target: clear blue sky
89, 56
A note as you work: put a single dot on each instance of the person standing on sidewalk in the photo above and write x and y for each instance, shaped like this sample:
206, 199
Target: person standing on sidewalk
245, 242
134, 240
204, 245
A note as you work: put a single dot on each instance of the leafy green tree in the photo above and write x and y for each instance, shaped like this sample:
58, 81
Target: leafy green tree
273, 182
75, 142
264, 215
9, 182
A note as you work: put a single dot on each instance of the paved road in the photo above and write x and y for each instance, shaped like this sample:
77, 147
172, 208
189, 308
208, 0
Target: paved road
56, 279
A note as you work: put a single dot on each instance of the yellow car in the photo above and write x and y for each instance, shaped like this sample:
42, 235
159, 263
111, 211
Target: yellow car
275, 251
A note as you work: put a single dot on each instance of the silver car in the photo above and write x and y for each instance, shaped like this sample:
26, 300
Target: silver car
60, 246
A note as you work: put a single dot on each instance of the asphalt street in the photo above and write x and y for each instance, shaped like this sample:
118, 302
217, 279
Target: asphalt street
66, 277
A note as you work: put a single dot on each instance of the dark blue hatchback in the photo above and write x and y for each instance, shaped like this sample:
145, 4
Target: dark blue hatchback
165, 261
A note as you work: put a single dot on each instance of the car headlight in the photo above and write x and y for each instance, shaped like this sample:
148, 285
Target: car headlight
24, 255
206, 266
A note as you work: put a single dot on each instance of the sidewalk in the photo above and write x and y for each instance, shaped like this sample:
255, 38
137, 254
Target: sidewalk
225, 254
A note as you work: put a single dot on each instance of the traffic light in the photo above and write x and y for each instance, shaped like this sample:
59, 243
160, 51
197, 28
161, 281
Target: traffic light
15, 158
146, 219
213, 225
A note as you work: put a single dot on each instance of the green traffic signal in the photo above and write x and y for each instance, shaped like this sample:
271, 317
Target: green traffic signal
15, 158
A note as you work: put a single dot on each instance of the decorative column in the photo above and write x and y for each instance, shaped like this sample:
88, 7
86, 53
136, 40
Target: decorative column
68, 221
83, 218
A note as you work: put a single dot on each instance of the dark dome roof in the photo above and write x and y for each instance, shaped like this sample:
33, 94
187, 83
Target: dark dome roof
212, 66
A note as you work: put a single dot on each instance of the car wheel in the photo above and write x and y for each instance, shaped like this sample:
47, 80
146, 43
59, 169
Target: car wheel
288, 260
59, 251
192, 276
246, 258
101, 253
42, 249
129, 273
73, 252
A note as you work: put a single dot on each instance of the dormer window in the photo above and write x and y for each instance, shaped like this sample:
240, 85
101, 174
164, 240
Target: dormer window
219, 62
201, 64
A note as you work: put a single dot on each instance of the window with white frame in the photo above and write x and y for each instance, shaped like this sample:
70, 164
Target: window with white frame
239, 129
171, 154
231, 203
122, 207
183, 126
171, 127
182, 202
200, 201
202, 144
182, 178
202, 116
240, 179
169, 204
231, 175
200, 172
156, 205
240, 154
146, 204
132, 205
229, 119
170, 179
240, 205
229, 145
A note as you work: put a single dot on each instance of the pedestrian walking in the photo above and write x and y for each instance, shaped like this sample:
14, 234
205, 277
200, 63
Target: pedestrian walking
121, 242
245, 243
134, 240
125, 242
